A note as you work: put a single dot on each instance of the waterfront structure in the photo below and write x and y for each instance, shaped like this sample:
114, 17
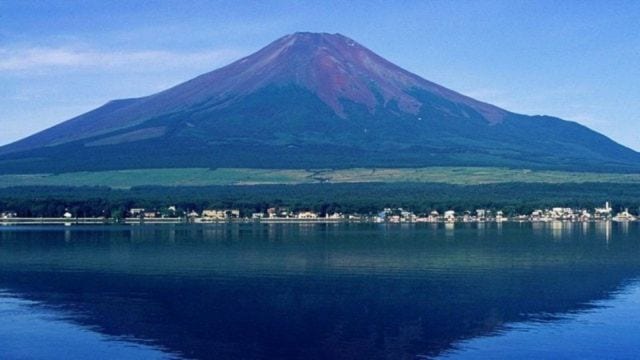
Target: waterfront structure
136, 211
585, 215
307, 215
624, 216
449, 216
387, 215
221, 214
604, 212
8, 214
481, 214
213, 214
274, 213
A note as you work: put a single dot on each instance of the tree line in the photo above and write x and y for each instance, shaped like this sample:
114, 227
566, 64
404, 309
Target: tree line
363, 198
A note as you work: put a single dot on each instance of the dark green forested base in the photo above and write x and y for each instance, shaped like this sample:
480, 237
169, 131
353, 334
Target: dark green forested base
356, 197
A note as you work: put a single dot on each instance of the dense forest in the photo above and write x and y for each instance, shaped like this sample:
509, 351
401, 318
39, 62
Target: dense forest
364, 198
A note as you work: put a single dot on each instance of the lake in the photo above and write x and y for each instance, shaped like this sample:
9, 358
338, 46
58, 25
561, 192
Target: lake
321, 291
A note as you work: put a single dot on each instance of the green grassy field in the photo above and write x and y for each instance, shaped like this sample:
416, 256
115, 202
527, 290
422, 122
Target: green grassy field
202, 177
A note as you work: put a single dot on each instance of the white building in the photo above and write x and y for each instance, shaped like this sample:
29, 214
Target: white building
213, 214
450, 216
603, 212
8, 214
483, 214
307, 215
585, 215
624, 216
136, 211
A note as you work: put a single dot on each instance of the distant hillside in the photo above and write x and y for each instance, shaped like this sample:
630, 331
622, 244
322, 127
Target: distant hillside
311, 101
124, 179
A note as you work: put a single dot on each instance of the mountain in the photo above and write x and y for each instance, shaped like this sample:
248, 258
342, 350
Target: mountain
311, 100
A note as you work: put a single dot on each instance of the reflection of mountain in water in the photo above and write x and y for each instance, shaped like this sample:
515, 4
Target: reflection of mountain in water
609, 330
321, 291
32, 331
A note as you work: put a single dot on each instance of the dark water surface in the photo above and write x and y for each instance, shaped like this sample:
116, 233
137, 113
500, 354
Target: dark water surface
298, 291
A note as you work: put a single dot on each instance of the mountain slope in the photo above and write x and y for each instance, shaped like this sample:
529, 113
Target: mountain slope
311, 101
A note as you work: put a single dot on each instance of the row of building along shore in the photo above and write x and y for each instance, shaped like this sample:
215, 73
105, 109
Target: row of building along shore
284, 215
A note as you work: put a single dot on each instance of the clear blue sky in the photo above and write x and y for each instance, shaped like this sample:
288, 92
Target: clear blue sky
579, 60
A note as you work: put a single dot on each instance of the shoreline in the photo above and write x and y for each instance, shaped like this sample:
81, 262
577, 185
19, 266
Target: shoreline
107, 221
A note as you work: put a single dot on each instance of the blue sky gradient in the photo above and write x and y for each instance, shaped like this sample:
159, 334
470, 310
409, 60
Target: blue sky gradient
578, 60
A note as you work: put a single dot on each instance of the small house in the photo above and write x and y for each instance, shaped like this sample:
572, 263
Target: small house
8, 214
136, 211
307, 215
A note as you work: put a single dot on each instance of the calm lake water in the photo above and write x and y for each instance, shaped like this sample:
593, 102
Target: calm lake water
299, 291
